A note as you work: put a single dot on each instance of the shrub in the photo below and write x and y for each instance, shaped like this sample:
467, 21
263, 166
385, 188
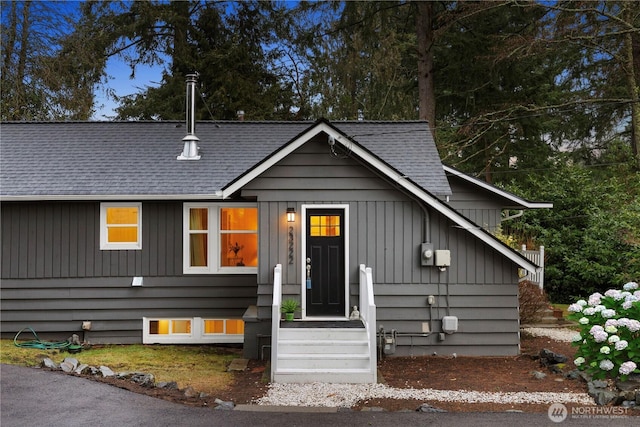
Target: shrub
609, 339
532, 301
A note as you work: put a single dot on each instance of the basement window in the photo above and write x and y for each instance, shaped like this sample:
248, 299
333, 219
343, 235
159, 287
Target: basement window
193, 330
120, 226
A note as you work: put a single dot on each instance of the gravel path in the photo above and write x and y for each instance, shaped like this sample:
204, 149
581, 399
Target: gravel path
557, 334
347, 395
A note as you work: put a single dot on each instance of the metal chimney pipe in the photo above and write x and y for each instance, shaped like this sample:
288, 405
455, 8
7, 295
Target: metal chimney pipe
190, 150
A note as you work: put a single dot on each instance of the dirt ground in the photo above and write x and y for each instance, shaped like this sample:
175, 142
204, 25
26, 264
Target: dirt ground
492, 374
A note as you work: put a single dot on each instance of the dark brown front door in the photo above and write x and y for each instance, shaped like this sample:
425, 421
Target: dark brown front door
325, 254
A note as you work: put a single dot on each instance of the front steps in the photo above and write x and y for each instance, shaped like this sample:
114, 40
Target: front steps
323, 352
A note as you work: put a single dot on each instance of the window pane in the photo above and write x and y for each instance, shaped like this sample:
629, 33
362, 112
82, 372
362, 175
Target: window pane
239, 250
159, 327
122, 215
324, 225
181, 326
238, 219
198, 219
214, 326
235, 327
122, 234
198, 250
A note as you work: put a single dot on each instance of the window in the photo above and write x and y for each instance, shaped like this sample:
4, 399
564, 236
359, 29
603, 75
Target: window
120, 226
191, 330
324, 225
220, 239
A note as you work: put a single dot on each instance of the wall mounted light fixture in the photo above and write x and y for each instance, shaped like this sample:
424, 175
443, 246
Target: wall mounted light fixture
291, 214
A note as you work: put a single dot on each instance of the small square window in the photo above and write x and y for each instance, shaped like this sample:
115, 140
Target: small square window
120, 226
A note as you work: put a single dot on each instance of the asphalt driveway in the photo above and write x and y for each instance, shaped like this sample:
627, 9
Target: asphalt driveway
35, 397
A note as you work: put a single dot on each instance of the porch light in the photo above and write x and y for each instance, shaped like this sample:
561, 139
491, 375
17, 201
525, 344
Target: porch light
291, 214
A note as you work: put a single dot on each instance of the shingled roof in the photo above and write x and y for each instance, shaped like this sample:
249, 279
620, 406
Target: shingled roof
93, 160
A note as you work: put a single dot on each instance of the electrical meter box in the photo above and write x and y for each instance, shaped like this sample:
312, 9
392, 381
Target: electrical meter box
426, 254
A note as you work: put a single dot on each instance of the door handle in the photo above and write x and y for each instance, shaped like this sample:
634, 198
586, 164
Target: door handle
308, 273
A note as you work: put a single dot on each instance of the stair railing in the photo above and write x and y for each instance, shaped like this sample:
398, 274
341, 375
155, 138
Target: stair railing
275, 317
368, 314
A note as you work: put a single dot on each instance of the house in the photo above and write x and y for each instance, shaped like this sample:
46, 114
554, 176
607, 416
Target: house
129, 232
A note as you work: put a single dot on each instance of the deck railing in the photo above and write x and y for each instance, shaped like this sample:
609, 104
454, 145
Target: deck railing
368, 314
536, 257
275, 317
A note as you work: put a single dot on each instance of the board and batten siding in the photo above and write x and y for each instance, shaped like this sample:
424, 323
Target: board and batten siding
386, 230
476, 204
54, 275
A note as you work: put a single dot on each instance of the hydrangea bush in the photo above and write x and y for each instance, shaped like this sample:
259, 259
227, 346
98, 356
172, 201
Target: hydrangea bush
609, 333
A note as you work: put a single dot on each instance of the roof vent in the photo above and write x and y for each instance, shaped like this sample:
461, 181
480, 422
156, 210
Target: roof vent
190, 150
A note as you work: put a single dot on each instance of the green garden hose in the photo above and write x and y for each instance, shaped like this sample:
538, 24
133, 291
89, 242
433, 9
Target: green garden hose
38, 343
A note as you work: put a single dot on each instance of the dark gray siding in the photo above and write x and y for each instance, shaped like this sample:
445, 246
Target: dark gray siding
54, 276
476, 204
386, 230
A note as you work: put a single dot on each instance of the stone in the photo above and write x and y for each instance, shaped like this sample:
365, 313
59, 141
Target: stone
82, 369
171, 385
603, 397
71, 360
145, 380
548, 358
538, 375
48, 363
638, 398
572, 375
222, 405
203, 395
106, 371
189, 392
238, 365
67, 367
628, 404
597, 384
629, 384
425, 407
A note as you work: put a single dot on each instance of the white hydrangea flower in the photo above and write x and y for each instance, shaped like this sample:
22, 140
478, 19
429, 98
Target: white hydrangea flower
581, 302
606, 365
613, 339
608, 313
579, 361
583, 321
621, 345
627, 367
575, 308
600, 308
576, 338
612, 293
630, 286
594, 299
605, 350
589, 311
611, 329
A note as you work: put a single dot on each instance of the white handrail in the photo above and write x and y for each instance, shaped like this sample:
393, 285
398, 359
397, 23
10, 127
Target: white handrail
275, 317
368, 314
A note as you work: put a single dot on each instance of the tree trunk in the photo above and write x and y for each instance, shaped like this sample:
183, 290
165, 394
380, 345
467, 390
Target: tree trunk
426, 93
632, 86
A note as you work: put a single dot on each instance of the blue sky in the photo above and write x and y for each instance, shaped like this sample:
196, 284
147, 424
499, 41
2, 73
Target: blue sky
121, 83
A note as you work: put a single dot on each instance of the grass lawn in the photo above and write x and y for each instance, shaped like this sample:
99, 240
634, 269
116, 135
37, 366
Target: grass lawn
201, 366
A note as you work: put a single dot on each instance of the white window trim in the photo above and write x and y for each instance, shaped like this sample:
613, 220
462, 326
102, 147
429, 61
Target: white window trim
213, 240
104, 244
197, 335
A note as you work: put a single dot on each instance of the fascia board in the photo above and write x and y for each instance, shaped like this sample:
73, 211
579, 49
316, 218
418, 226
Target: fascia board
99, 197
519, 201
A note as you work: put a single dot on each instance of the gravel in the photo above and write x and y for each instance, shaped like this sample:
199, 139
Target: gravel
557, 334
347, 395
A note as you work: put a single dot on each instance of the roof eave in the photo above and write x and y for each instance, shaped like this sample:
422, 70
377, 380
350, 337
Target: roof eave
98, 197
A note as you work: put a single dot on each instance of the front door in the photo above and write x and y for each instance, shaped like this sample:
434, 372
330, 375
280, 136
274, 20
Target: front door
325, 262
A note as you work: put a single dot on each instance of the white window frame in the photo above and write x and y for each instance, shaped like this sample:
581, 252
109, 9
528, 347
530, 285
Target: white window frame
213, 240
197, 335
104, 243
